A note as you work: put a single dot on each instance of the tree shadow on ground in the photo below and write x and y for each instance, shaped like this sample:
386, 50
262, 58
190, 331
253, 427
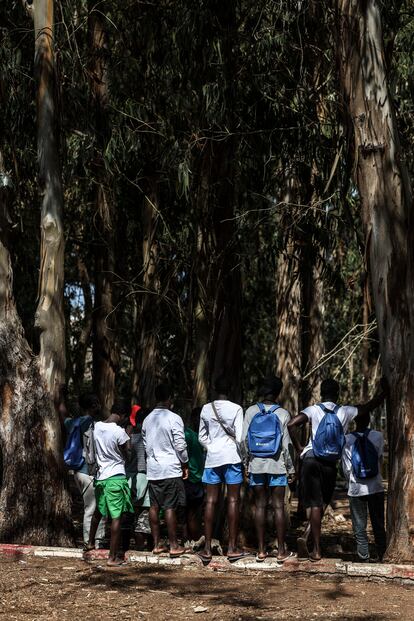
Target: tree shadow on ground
161, 579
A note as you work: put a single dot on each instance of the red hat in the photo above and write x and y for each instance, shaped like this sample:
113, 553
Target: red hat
133, 416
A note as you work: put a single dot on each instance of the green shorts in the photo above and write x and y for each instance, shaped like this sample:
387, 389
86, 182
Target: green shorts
113, 497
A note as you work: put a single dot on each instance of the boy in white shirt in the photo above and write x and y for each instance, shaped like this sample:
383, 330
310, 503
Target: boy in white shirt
113, 496
220, 433
318, 474
365, 494
167, 467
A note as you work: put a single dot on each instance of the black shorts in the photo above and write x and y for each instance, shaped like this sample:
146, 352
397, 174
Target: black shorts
194, 493
167, 493
317, 480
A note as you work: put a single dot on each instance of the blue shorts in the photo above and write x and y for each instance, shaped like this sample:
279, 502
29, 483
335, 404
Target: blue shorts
232, 474
271, 480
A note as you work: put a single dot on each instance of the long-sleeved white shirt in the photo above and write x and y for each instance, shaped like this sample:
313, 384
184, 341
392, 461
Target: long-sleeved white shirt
221, 448
165, 445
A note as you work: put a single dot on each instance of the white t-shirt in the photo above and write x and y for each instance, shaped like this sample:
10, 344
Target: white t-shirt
346, 414
108, 438
221, 448
363, 487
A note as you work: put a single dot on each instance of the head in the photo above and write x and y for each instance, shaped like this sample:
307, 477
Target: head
90, 404
329, 390
222, 386
120, 412
362, 422
163, 395
270, 388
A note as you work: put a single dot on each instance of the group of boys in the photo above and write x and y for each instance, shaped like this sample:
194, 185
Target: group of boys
176, 471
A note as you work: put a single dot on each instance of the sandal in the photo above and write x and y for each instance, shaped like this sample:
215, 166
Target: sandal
177, 554
238, 557
204, 557
161, 550
260, 559
285, 558
87, 547
313, 559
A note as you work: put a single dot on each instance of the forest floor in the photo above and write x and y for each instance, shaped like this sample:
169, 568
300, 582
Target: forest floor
45, 589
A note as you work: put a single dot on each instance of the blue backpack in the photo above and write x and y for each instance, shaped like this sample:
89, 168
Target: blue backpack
73, 453
329, 439
264, 435
364, 457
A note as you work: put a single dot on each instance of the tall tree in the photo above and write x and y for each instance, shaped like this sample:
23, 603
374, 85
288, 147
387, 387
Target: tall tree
105, 342
49, 314
387, 213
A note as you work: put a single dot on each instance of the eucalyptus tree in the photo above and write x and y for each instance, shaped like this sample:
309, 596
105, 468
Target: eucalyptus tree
387, 214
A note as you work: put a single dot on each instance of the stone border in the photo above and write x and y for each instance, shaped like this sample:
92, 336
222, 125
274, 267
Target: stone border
327, 567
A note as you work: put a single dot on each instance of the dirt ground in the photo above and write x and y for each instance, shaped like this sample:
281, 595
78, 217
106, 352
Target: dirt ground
40, 589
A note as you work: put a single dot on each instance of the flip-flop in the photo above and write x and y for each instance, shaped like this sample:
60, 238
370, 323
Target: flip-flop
176, 554
314, 560
88, 548
260, 559
204, 557
163, 550
233, 559
302, 549
285, 558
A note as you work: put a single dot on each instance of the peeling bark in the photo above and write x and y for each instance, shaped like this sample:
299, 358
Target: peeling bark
35, 506
387, 211
49, 313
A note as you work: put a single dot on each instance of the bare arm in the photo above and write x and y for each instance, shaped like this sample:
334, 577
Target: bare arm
372, 404
126, 450
298, 421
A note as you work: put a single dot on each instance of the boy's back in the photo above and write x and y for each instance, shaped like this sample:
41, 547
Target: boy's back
109, 437
363, 487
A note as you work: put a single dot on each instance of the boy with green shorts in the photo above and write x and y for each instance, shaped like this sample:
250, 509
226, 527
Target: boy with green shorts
113, 496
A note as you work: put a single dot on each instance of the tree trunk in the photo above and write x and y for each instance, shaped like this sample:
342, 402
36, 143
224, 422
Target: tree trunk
83, 341
386, 203
105, 343
49, 314
146, 371
35, 506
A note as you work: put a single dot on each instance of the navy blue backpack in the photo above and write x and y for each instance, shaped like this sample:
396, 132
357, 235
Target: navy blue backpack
364, 456
329, 439
73, 453
264, 435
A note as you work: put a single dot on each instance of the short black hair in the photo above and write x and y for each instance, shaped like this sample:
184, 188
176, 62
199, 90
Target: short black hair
89, 401
222, 385
122, 407
270, 386
162, 392
329, 388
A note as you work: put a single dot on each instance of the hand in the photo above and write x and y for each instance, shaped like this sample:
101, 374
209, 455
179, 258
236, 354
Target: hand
292, 478
185, 471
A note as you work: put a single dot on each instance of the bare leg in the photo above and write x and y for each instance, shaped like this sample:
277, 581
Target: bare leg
233, 501
278, 498
193, 522
260, 499
171, 519
155, 529
115, 541
315, 523
96, 518
213, 492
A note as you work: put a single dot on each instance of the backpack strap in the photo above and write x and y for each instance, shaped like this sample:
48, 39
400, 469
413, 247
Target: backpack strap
272, 409
222, 424
327, 410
